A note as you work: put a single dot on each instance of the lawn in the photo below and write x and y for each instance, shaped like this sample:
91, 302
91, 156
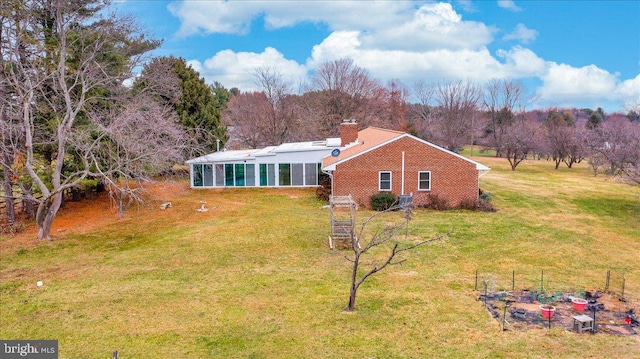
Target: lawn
254, 278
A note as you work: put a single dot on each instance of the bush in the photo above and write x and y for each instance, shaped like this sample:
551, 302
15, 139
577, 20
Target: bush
383, 201
436, 202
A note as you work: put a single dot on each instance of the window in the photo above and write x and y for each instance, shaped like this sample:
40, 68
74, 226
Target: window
297, 174
219, 175
267, 174
284, 173
228, 175
208, 175
310, 174
424, 181
197, 175
384, 181
250, 175
239, 175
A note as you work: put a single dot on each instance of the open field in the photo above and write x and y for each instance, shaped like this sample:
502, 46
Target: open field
253, 277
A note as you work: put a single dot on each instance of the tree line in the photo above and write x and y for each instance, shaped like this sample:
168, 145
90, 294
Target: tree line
75, 112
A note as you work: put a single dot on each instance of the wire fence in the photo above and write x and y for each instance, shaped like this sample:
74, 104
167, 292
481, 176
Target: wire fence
519, 300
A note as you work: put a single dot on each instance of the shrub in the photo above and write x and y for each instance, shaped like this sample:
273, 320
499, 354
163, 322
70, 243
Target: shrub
437, 202
469, 204
383, 201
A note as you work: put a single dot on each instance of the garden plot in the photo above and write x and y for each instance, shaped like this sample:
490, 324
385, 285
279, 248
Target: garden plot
524, 310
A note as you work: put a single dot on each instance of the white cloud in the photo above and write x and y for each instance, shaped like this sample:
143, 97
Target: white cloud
522, 62
509, 5
522, 33
433, 26
234, 17
629, 90
407, 41
235, 69
571, 84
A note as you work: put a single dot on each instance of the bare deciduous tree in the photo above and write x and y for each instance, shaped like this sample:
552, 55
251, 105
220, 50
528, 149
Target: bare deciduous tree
268, 117
341, 90
617, 141
458, 104
64, 57
502, 98
382, 234
133, 142
519, 140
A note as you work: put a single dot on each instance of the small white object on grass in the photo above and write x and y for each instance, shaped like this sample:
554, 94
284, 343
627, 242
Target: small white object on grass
39, 284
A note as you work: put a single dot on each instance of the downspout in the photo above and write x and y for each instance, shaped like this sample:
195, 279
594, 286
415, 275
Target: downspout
330, 174
402, 179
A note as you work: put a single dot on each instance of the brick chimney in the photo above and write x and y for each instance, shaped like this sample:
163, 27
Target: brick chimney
348, 132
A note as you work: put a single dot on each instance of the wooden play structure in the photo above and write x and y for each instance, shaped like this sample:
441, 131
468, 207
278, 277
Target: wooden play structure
343, 221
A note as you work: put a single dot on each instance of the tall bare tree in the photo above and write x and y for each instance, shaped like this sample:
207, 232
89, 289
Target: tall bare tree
267, 117
502, 99
342, 90
456, 113
61, 57
133, 142
520, 140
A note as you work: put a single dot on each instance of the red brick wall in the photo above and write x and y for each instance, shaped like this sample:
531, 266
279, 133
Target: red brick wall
452, 178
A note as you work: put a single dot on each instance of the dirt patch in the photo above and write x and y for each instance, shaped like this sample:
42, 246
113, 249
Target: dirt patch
79, 217
522, 311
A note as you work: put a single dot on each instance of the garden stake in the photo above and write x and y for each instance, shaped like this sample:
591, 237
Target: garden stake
622, 297
606, 287
504, 316
542, 282
513, 280
476, 279
593, 330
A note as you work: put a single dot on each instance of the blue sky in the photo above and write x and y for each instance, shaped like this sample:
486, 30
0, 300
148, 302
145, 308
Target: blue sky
567, 53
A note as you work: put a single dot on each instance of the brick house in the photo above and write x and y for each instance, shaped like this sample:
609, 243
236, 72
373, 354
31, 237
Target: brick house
360, 163
376, 160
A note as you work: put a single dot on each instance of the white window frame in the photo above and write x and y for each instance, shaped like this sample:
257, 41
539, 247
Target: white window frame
380, 181
424, 189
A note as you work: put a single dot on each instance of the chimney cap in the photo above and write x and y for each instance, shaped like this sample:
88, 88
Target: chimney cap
349, 120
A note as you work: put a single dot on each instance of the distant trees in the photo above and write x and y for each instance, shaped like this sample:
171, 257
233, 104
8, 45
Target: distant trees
341, 90
264, 118
502, 99
520, 140
454, 119
617, 144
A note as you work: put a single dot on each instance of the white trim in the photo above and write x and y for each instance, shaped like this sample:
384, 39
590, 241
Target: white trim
420, 189
390, 181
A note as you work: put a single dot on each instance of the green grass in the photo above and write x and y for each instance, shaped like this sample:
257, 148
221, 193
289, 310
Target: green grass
254, 278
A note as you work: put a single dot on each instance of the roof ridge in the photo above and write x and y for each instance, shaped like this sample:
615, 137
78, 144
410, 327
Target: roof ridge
384, 129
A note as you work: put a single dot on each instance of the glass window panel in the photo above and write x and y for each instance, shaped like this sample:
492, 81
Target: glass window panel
228, 175
284, 173
239, 174
271, 174
297, 174
250, 175
424, 181
263, 174
197, 175
311, 174
220, 175
208, 175
385, 181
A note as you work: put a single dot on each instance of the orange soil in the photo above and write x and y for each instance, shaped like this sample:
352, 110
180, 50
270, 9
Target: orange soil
87, 214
